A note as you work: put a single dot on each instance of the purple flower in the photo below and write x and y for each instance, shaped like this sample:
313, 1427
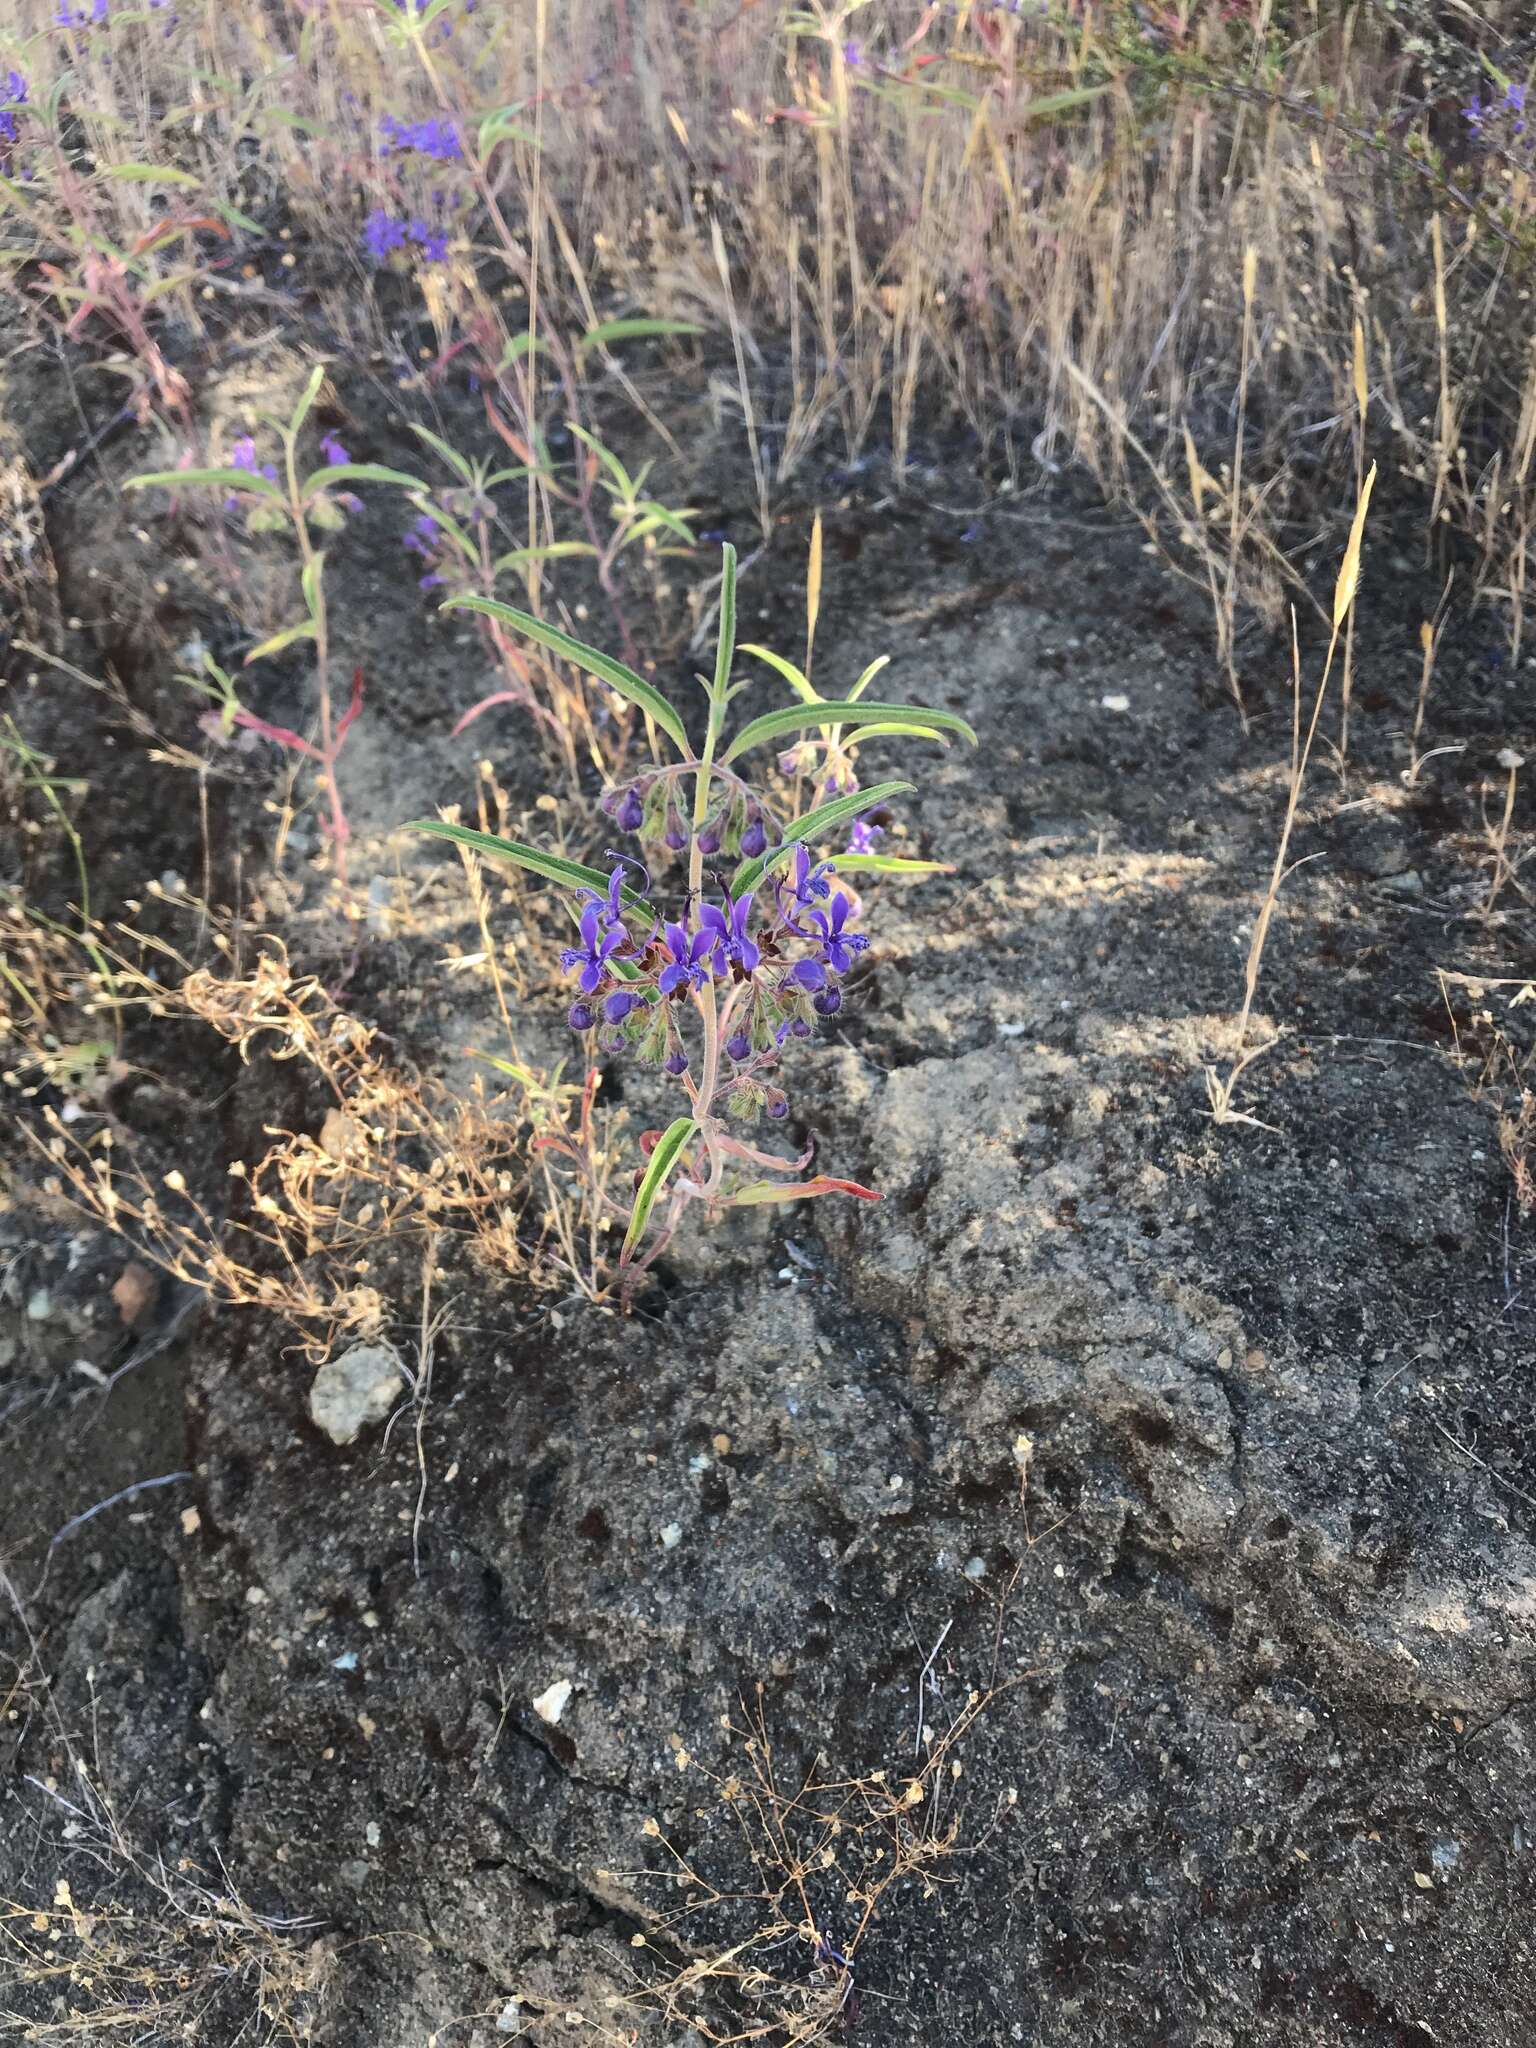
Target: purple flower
754, 839
862, 836
431, 241
434, 138
828, 1003
242, 455
422, 537
838, 947
333, 452
684, 969
739, 1046
729, 942
675, 1063
1472, 113
581, 1016
599, 942
619, 1005
630, 814
1514, 98
382, 234
810, 883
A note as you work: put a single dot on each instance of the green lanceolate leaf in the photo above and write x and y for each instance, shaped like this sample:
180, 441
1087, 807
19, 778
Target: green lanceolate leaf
800, 1191
911, 732
608, 331
360, 473
307, 398
614, 673
289, 637
450, 454
551, 551
888, 864
796, 678
550, 867
309, 583
226, 479
661, 1163
798, 717
148, 174
825, 818
880, 661
725, 645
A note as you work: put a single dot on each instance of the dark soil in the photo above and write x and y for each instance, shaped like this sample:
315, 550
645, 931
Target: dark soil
1256, 1604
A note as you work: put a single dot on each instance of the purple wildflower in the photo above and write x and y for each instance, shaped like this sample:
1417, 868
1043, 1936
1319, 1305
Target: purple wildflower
630, 814
684, 968
730, 944
333, 452
422, 537
599, 942
581, 1016
810, 884
739, 1046
431, 241
382, 234
838, 946
619, 1005
862, 836
242, 455
434, 138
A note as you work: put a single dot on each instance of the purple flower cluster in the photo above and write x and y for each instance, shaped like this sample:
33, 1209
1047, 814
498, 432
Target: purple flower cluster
774, 957
423, 537
383, 234
13, 94
434, 138
1493, 119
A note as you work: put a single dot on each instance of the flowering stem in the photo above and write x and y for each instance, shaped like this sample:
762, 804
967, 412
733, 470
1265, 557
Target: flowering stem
314, 585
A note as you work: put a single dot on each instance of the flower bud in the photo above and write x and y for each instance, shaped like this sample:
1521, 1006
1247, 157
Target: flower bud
754, 839
827, 1004
675, 1063
619, 1005
630, 811
709, 837
676, 835
739, 1046
798, 1028
778, 1103
581, 1016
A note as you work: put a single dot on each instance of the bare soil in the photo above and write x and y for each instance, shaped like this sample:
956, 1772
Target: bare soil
1257, 1602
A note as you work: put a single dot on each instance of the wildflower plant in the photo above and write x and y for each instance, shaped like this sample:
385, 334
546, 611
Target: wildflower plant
750, 953
273, 499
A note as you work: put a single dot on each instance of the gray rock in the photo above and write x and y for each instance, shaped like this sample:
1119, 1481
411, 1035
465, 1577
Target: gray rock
355, 1390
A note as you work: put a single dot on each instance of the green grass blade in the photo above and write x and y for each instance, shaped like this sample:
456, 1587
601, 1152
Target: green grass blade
797, 718
825, 818
614, 673
661, 1163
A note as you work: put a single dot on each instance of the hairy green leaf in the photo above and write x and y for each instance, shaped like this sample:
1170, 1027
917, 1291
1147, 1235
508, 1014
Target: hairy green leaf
825, 818
147, 174
226, 479
614, 673
360, 473
888, 864
550, 867
289, 637
797, 718
725, 644
796, 678
668, 1149
637, 329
